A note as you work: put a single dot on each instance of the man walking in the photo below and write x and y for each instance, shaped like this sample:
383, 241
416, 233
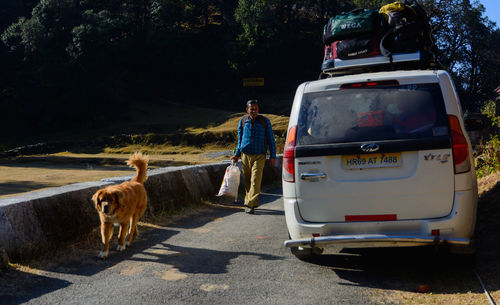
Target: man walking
255, 135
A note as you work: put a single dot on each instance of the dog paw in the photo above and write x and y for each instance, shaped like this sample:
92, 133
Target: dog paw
120, 248
103, 254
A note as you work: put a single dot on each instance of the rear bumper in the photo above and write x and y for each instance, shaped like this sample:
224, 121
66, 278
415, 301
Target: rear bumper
375, 240
457, 228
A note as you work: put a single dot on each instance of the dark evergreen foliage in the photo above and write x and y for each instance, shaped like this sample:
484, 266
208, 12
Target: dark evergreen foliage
66, 63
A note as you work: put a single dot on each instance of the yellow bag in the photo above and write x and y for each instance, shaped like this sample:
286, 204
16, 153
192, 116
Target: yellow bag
391, 7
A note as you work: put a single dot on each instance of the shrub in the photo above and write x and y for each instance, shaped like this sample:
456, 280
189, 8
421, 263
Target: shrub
488, 160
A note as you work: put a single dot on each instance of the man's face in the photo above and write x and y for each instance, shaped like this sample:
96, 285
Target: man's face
253, 110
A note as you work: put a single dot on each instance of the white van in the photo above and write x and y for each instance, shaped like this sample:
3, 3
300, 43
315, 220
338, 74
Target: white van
378, 159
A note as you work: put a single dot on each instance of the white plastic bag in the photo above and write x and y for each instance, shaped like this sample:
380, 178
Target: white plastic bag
231, 182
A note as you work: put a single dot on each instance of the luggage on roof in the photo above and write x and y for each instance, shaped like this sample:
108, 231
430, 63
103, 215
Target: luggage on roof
398, 33
360, 47
363, 46
409, 29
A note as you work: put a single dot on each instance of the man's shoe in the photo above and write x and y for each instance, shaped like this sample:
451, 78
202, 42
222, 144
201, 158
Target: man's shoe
249, 210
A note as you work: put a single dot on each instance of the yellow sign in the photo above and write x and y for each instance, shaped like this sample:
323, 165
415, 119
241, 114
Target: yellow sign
253, 82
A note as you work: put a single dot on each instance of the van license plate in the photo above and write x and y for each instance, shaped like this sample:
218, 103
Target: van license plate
371, 160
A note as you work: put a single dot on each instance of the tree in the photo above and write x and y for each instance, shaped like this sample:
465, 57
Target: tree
467, 46
371, 4
98, 32
64, 58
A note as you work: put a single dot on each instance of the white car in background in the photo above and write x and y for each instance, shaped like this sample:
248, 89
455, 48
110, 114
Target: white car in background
379, 159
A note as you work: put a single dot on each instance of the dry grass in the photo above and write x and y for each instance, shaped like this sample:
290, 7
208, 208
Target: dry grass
31, 173
486, 183
279, 123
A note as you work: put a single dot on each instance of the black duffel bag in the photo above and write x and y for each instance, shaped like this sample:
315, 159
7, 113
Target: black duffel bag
409, 29
360, 47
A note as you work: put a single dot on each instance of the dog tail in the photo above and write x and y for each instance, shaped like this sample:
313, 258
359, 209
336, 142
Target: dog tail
140, 162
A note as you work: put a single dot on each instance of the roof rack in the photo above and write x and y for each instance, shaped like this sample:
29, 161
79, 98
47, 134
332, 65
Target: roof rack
338, 67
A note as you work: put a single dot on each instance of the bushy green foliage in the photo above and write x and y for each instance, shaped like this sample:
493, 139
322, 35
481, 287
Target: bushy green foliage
72, 64
371, 4
99, 31
489, 109
254, 16
488, 161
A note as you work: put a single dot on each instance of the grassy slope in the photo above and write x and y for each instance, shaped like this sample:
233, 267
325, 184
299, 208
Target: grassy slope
28, 173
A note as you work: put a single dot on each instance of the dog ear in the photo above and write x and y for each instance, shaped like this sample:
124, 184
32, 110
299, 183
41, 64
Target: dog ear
97, 200
119, 198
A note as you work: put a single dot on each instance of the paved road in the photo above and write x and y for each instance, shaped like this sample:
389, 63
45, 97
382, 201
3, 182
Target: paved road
222, 256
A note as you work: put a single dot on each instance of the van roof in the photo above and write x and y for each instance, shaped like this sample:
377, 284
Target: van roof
402, 76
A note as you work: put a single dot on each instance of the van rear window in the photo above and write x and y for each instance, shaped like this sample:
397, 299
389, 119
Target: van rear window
374, 113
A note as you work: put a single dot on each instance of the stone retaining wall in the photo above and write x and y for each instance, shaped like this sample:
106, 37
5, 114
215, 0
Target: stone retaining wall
36, 222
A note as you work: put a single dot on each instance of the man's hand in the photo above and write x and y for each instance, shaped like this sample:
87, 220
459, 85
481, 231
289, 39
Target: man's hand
235, 159
271, 162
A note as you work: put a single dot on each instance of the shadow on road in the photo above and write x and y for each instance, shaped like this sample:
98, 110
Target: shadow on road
48, 274
260, 211
13, 293
198, 260
402, 269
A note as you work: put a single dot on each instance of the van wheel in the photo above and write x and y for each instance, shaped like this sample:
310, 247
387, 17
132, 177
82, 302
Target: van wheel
463, 250
306, 254
464, 254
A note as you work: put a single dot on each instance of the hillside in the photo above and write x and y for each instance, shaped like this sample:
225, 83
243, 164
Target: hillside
172, 134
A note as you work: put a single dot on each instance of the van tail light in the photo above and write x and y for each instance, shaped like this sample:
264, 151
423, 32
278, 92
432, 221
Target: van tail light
289, 156
461, 158
380, 83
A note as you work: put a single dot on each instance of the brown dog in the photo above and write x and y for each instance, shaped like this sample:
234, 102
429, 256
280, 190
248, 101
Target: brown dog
122, 204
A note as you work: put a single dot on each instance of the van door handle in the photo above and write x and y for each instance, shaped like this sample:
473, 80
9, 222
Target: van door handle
312, 176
